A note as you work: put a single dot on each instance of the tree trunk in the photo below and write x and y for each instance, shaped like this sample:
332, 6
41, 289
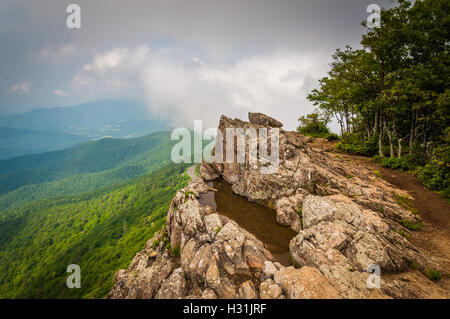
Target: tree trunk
399, 152
380, 138
375, 124
425, 140
412, 134
391, 145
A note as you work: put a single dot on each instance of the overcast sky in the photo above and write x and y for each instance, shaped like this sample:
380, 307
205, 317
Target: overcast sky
186, 59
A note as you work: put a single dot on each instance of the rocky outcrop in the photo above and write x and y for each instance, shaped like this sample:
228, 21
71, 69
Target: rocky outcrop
263, 120
304, 171
345, 218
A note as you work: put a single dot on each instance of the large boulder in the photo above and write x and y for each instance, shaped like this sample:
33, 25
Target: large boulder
263, 120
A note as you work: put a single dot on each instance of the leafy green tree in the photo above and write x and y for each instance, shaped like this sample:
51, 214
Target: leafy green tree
313, 124
394, 90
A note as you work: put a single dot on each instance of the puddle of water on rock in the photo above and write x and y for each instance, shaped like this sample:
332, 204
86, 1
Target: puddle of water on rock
255, 218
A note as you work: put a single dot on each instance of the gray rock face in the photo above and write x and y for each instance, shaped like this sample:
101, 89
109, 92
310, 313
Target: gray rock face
263, 120
173, 287
345, 218
305, 283
304, 171
215, 256
342, 239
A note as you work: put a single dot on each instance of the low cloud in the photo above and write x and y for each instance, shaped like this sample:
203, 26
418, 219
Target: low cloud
276, 84
183, 89
61, 93
55, 52
20, 88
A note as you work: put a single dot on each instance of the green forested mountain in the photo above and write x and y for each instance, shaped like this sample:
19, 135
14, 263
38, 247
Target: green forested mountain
83, 168
100, 231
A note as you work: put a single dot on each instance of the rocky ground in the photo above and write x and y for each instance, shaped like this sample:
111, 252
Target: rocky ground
346, 219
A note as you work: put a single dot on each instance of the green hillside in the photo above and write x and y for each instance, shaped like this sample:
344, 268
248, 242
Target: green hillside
83, 168
100, 231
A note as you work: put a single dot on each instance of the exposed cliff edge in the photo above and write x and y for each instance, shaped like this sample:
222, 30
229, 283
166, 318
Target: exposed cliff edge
349, 220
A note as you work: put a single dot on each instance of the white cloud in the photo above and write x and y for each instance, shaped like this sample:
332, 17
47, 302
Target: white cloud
111, 71
55, 52
119, 59
61, 93
21, 88
182, 89
276, 84
83, 83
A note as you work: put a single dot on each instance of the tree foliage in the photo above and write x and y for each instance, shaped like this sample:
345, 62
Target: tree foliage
394, 91
100, 231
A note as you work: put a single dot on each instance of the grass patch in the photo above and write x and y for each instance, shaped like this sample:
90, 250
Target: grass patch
173, 251
186, 195
403, 233
414, 265
433, 274
405, 202
377, 173
300, 213
411, 225
156, 243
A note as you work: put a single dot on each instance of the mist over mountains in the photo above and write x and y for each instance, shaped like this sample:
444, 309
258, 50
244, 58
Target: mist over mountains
49, 129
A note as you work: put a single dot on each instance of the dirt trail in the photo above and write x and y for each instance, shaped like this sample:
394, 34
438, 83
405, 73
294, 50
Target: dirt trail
191, 172
433, 239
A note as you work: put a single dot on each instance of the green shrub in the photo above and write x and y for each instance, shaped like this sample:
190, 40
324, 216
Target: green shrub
313, 125
405, 163
156, 243
433, 274
173, 251
377, 158
436, 176
332, 137
354, 143
391, 162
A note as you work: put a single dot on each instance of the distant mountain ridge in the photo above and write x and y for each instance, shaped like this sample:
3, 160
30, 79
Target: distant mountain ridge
47, 129
16, 142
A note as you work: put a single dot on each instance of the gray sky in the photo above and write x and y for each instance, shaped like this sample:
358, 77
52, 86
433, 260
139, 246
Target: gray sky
187, 60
